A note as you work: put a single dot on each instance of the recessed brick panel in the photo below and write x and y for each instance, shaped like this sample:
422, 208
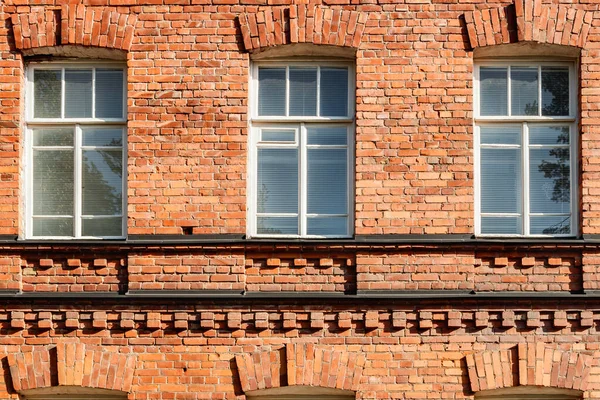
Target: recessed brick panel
57, 272
196, 270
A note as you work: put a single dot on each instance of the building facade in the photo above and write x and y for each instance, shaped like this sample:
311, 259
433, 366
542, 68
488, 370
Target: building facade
273, 199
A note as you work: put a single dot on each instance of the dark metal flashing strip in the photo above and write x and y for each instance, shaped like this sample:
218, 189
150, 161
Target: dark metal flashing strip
185, 293
137, 241
275, 298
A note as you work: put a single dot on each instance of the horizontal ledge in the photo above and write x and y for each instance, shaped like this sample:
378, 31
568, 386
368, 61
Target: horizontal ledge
409, 296
137, 241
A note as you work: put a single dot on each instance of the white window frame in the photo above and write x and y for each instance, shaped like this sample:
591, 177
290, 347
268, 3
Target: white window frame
572, 120
299, 124
77, 123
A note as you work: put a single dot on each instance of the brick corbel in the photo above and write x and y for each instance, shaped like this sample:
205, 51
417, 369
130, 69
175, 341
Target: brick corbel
305, 364
529, 21
75, 364
74, 25
534, 364
302, 24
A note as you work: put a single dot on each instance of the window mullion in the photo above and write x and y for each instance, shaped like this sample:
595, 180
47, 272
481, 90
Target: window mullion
287, 91
94, 92
77, 201
318, 91
539, 90
62, 93
302, 170
508, 90
525, 177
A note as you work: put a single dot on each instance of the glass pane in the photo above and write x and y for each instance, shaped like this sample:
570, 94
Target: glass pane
555, 91
550, 183
53, 137
277, 226
327, 226
550, 225
52, 226
109, 93
524, 91
500, 134
278, 135
549, 135
102, 227
102, 183
103, 137
337, 135
501, 225
501, 180
493, 88
46, 93
327, 181
334, 92
53, 182
277, 190
271, 91
303, 91
78, 93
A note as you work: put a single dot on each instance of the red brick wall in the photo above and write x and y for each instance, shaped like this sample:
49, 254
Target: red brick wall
188, 68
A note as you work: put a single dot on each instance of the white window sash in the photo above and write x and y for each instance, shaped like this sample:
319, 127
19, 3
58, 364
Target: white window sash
78, 148
525, 122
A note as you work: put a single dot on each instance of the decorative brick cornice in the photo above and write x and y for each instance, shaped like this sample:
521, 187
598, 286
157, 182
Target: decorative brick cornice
305, 318
306, 364
529, 21
533, 364
74, 25
75, 364
302, 24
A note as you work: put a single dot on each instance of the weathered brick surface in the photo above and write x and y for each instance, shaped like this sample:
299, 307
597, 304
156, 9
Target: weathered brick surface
73, 273
228, 360
529, 272
416, 269
188, 66
302, 273
186, 271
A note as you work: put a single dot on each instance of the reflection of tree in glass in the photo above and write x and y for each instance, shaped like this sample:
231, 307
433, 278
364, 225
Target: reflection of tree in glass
104, 193
559, 172
263, 197
47, 89
555, 87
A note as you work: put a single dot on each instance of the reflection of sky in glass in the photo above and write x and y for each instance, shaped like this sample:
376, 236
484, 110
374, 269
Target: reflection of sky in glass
501, 225
524, 91
327, 181
277, 181
102, 183
493, 88
303, 91
327, 226
501, 180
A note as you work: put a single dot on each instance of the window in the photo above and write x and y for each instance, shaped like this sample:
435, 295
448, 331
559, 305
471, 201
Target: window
525, 148
75, 135
301, 154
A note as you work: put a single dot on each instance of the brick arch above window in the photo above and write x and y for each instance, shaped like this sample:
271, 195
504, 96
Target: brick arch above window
74, 25
529, 21
529, 364
302, 24
72, 364
300, 365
